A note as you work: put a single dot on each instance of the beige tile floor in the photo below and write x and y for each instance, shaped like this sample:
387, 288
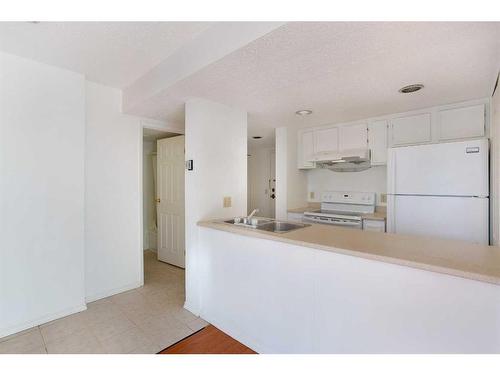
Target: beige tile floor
143, 320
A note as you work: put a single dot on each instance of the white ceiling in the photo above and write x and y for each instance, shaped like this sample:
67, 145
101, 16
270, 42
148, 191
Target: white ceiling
342, 71
111, 53
150, 135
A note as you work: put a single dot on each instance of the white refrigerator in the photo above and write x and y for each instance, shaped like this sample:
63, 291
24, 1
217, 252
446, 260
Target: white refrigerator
440, 190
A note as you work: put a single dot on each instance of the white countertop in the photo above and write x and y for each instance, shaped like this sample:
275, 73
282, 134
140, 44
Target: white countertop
457, 258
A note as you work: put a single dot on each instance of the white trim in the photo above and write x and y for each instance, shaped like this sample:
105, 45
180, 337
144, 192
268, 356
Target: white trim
191, 308
141, 203
45, 319
114, 291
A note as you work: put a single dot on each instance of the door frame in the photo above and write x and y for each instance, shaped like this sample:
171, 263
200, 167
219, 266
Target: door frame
154, 125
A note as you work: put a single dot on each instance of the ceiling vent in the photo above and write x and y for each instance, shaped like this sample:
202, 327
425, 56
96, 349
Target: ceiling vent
411, 88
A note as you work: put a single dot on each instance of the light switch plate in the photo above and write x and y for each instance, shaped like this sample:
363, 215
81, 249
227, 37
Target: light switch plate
227, 202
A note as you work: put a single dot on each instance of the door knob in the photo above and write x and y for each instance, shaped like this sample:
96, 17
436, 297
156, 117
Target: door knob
157, 200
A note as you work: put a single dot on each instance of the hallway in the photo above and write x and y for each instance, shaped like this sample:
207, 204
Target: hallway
143, 320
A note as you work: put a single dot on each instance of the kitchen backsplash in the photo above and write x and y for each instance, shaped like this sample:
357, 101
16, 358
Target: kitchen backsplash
371, 180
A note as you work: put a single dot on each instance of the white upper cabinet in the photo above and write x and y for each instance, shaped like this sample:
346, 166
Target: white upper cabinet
305, 149
446, 123
377, 142
411, 130
458, 123
353, 136
326, 139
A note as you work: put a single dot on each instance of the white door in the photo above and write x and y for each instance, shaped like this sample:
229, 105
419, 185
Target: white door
305, 149
458, 218
411, 129
326, 140
455, 168
377, 141
170, 200
353, 136
466, 122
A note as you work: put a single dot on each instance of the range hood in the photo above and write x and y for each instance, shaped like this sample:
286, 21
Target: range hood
354, 160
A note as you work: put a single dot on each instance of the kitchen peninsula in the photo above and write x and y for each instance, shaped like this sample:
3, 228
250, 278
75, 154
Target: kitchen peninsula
324, 289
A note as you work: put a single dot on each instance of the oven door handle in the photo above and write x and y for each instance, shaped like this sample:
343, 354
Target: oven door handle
345, 223
313, 220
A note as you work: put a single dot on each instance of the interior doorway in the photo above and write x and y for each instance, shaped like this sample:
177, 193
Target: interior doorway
262, 181
163, 195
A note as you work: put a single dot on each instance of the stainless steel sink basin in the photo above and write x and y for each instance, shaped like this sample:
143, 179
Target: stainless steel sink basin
255, 222
268, 225
281, 226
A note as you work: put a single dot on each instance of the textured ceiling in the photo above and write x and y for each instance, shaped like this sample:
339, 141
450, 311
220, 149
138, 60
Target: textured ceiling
111, 53
343, 72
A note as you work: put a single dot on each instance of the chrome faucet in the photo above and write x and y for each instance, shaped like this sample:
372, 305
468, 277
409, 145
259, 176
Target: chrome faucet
249, 217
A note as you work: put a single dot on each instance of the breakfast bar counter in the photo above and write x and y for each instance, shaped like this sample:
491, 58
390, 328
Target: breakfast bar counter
476, 262
328, 289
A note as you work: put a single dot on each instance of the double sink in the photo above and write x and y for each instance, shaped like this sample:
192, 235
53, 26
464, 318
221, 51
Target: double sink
268, 225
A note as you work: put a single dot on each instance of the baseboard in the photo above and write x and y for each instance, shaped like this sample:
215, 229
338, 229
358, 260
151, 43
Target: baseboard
189, 307
42, 320
112, 292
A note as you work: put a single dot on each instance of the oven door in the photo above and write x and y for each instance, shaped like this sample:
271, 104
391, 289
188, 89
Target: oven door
343, 222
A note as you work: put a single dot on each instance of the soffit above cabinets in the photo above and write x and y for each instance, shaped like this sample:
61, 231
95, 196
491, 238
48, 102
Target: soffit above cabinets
342, 71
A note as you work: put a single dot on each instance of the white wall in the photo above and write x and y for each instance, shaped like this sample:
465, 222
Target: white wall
112, 192
495, 168
148, 203
280, 298
296, 178
216, 139
259, 172
371, 180
42, 126
291, 182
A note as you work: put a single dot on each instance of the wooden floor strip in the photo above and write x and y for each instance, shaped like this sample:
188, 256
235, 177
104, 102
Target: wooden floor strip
209, 340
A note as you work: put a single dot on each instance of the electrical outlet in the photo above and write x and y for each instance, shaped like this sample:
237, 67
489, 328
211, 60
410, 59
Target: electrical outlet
227, 202
311, 195
383, 198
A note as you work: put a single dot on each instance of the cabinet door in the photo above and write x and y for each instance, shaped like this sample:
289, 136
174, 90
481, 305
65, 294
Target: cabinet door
353, 136
411, 130
305, 149
326, 139
374, 225
377, 142
465, 122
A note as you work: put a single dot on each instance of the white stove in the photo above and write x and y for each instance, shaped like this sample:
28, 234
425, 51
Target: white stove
342, 208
